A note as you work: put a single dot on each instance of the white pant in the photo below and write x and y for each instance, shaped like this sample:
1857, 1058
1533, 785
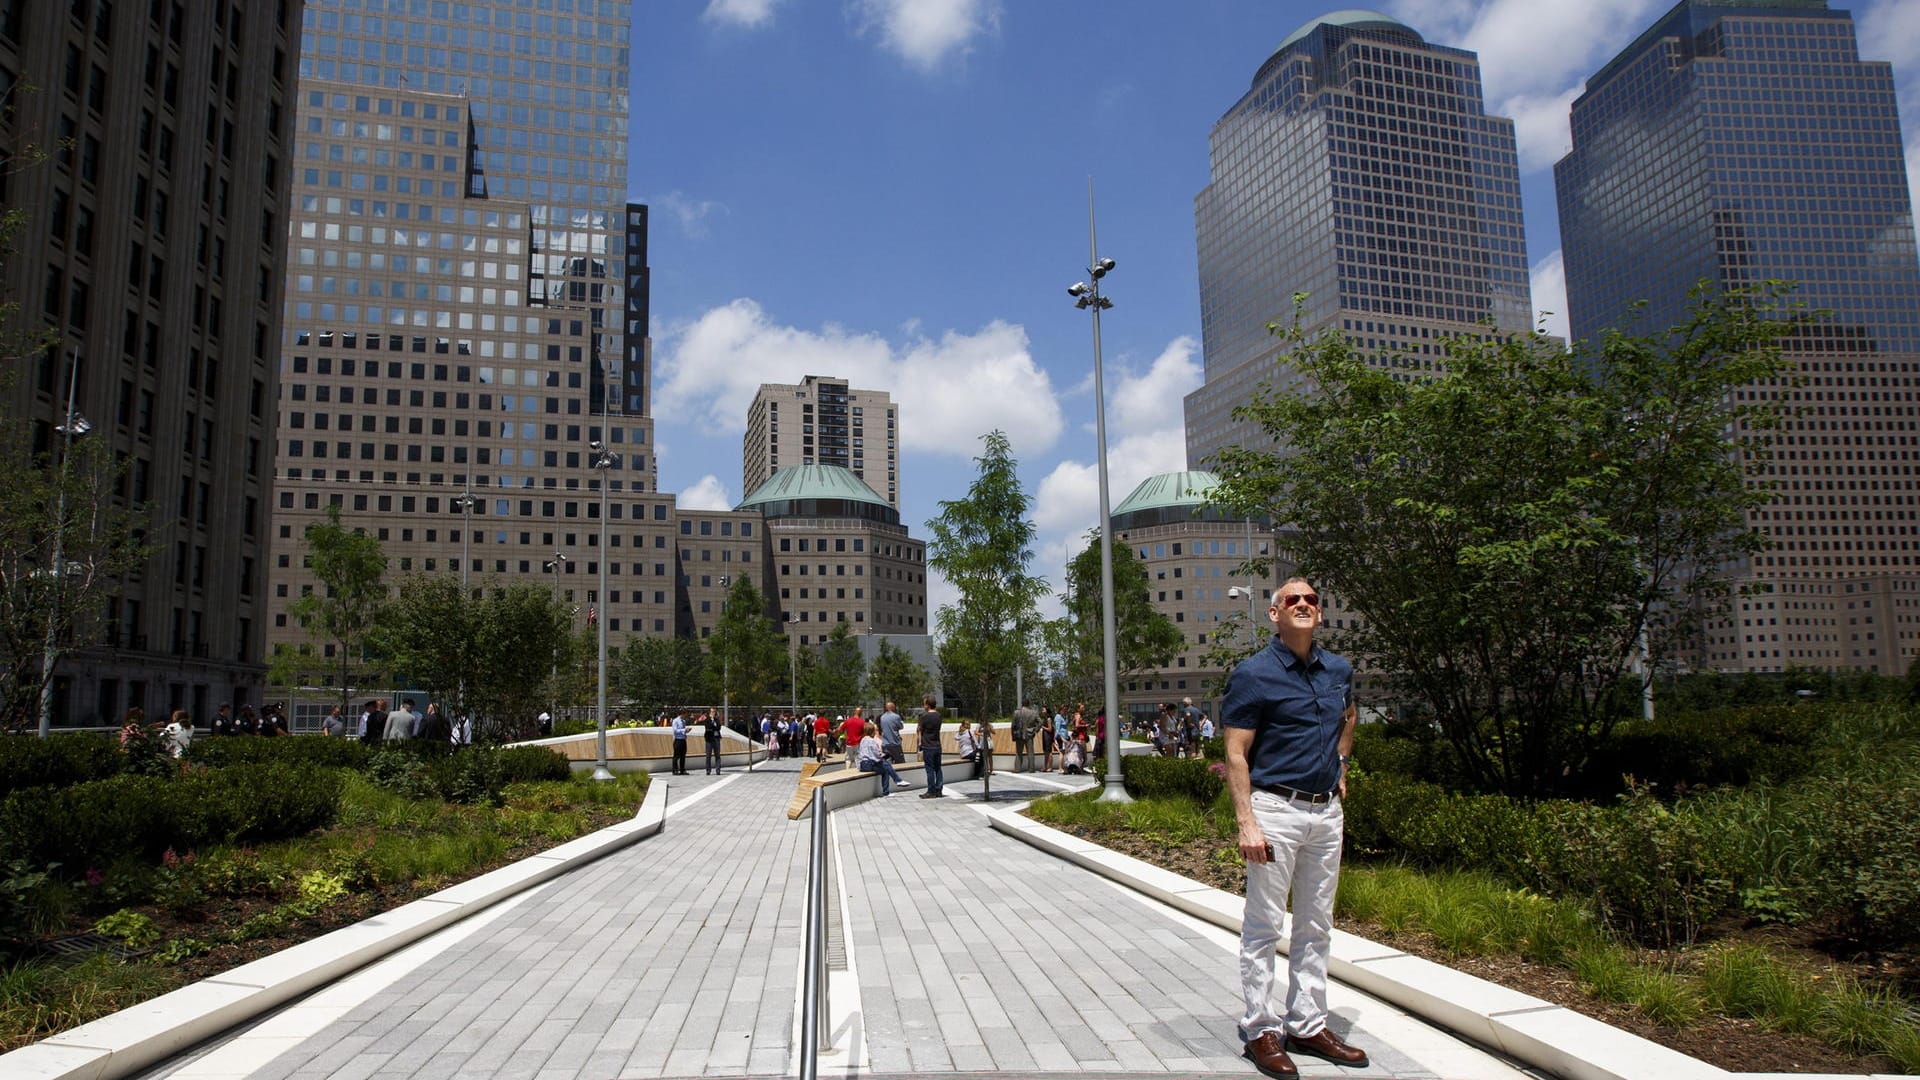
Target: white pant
1306, 860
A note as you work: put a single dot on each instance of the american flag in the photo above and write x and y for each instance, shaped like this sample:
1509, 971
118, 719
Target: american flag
593, 615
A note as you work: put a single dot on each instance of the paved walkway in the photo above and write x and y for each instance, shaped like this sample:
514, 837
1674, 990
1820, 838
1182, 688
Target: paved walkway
681, 957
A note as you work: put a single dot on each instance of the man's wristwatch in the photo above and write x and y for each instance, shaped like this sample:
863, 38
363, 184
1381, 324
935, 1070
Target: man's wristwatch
1346, 760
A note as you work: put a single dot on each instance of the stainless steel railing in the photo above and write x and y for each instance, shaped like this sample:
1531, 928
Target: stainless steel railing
813, 994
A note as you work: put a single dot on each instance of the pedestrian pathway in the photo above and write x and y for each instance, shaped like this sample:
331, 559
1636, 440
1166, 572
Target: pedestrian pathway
965, 952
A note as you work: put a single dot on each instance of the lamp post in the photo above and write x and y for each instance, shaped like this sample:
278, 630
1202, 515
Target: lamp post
466, 502
726, 664
70, 428
1087, 298
552, 566
603, 463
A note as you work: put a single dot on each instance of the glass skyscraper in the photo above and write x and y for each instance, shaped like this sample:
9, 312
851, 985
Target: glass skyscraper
1360, 169
466, 302
1734, 143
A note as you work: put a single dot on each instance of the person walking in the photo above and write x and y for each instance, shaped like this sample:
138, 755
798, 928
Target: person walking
1289, 718
712, 729
929, 733
680, 744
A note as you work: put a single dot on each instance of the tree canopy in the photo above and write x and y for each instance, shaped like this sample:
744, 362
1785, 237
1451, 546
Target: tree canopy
1506, 526
983, 545
748, 651
341, 612
1143, 637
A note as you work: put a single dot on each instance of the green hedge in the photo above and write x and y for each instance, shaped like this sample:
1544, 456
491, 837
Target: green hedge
469, 774
1149, 776
27, 761
91, 824
304, 749
1659, 872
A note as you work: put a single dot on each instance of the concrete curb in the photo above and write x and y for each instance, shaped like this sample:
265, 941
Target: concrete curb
1537, 1033
143, 1035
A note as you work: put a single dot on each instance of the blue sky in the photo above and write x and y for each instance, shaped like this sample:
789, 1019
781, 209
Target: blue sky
895, 191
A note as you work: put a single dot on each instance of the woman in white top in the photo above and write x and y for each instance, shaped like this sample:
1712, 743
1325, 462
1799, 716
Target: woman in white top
179, 732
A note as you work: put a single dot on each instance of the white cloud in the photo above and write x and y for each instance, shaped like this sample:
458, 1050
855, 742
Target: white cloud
707, 494
1549, 285
951, 390
750, 14
1890, 30
925, 32
1541, 126
1146, 435
690, 214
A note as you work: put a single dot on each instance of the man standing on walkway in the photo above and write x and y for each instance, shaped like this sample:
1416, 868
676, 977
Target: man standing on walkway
852, 730
713, 743
680, 743
1289, 719
930, 748
890, 728
1024, 719
401, 723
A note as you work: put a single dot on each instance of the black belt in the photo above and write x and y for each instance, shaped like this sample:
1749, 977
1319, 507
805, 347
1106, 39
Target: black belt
1312, 798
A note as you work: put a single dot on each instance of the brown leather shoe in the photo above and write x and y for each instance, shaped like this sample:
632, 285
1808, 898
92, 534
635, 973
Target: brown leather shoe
1330, 1046
1268, 1052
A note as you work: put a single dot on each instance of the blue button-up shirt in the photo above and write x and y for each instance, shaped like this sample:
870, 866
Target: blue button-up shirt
1296, 709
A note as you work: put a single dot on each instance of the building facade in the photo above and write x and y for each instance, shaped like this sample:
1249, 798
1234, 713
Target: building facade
1195, 556
827, 423
466, 305
152, 243
1362, 172
1734, 143
839, 554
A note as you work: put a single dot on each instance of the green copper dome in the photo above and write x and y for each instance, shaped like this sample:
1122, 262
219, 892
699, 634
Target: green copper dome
1169, 490
818, 491
1353, 18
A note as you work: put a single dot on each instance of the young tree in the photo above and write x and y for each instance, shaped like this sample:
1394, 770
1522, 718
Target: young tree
835, 680
1143, 637
746, 648
519, 633
897, 677
69, 507
428, 638
1507, 527
344, 609
983, 545
658, 673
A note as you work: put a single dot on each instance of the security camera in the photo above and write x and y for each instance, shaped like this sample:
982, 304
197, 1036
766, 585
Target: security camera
1078, 288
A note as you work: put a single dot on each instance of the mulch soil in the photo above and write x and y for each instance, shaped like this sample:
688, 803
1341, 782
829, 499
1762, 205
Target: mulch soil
1738, 1045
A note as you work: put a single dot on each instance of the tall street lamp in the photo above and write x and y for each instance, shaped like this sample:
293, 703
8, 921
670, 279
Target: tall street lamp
72, 427
466, 501
552, 566
603, 463
1087, 297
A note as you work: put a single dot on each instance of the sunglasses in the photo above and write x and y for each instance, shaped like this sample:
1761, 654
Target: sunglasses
1288, 600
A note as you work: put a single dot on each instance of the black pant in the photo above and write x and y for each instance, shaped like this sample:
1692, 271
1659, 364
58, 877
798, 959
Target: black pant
713, 755
679, 757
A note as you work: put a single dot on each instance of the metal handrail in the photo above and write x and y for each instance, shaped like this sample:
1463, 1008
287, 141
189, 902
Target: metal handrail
813, 995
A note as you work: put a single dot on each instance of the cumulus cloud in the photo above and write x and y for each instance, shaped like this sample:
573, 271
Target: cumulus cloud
749, 14
1542, 126
1890, 30
925, 32
708, 494
1146, 435
689, 213
951, 389
1549, 285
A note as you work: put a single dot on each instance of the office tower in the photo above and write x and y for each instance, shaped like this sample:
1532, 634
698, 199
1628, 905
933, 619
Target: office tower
839, 554
466, 304
1734, 143
152, 241
1362, 170
827, 423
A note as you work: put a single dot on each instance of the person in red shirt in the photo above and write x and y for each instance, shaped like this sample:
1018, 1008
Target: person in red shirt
822, 737
851, 731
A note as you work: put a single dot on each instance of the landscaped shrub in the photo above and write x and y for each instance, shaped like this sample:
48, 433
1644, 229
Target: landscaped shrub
1151, 776
308, 750
524, 764
1737, 746
57, 760
1876, 859
91, 825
